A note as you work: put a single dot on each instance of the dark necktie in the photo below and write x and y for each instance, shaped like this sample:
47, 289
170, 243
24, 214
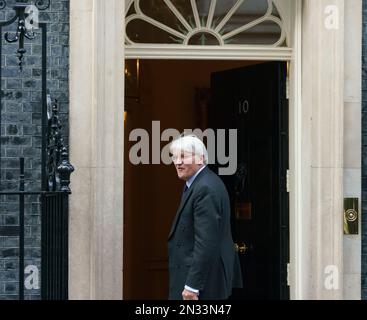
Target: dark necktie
184, 192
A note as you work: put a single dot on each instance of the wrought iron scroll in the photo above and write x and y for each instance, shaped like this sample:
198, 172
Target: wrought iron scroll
40, 4
22, 32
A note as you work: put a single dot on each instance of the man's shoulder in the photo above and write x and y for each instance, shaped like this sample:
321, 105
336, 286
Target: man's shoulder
209, 180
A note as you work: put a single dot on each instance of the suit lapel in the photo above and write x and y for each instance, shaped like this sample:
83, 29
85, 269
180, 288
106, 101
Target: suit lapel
179, 210
184, 201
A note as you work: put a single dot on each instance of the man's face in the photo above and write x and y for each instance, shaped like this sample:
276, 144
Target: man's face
186, 163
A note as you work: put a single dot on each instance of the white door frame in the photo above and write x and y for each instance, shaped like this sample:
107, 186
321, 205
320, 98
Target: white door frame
208, 53
258, 53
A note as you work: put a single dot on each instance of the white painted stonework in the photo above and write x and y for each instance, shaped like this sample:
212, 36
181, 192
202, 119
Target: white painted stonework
352, 141
96, 141
322, 144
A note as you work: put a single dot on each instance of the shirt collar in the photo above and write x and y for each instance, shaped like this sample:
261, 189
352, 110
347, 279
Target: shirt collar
191, 180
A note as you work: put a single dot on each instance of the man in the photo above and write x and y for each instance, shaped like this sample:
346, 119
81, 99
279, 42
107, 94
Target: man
203, 263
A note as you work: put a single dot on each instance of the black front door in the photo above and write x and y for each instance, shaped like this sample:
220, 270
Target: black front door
253, 101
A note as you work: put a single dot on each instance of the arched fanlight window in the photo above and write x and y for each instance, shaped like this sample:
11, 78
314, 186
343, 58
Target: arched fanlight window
204, 22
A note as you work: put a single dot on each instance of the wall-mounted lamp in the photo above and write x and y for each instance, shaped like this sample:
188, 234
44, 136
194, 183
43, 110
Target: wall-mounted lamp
23, 11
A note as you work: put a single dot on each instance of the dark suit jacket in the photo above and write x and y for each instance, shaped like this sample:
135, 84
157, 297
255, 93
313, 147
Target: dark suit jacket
200, 246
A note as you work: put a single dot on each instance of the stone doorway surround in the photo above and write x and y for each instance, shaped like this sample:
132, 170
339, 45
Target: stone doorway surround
96, 144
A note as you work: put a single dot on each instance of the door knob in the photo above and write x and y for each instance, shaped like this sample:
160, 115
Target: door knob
240, 248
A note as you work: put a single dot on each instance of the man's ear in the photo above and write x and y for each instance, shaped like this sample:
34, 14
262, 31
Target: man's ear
202, 160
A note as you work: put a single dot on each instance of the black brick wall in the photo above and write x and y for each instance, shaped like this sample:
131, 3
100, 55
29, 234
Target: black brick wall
21, 134
364, 154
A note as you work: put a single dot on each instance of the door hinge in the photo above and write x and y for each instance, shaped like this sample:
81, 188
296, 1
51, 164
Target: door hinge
287, 181
288, 272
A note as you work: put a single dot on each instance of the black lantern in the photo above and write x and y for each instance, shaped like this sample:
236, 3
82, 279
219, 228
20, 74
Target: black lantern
23, 11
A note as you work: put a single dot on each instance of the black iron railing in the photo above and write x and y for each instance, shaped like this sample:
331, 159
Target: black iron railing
54, 204
54, 246
54, 215
52, 196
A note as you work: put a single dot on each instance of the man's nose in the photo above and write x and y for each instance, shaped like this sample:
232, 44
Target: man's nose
178, 161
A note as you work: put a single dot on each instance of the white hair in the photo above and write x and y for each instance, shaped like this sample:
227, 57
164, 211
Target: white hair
190, 143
